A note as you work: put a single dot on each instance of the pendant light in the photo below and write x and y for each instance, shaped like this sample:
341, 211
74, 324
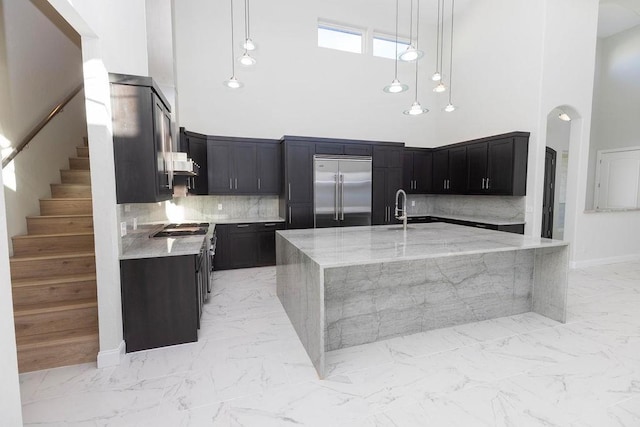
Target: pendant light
232, 82
248, 44
396, 86
450, 107
246, 59
416, 109
412, 53
436, 77
564, 117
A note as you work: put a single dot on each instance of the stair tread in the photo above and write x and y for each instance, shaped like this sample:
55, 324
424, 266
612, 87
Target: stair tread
17, 283
38, 236
51, 307
59, 337
61, 216
71, 185
66, 199
52, 256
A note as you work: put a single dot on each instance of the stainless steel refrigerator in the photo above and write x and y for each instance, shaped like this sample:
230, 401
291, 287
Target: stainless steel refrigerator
342, 191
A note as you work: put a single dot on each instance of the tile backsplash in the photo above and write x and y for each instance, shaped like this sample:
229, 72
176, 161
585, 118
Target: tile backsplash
498, 207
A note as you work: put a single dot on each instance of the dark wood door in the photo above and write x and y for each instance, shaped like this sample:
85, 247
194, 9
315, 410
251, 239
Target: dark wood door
422, 174
300, 215
243, 246
269, 162
357, 149
500, 153
299, 185
407, 171
329, 148
387, 156
162, 146
197, 149
393, 182
378, 197
458, 170
220, 167
267, 243
440, 170
245, 178
477, 168
549, 190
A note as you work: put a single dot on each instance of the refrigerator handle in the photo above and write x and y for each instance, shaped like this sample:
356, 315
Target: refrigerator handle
341, 197
336, 195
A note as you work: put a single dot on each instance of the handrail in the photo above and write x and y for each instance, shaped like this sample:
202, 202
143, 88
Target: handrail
54, 112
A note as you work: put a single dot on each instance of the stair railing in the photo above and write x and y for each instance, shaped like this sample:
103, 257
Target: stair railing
37, 128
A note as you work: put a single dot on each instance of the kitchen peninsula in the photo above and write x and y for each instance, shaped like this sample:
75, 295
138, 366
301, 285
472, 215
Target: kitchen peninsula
353, 285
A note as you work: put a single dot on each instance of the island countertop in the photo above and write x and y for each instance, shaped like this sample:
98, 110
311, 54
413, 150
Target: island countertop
344, 246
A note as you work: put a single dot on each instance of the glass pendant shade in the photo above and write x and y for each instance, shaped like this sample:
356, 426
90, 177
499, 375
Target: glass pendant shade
436, 77
411, 54
450, 108
415, 109
440, 87
395, 87
249, 45
233, 83
247, 60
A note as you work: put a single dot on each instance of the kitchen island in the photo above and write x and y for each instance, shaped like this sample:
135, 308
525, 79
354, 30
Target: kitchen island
353, 285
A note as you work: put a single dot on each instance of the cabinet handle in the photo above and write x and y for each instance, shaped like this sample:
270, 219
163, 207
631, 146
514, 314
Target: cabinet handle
271, 224
480, 225
341, 197
483, 183
236, 183
289, 191
230, 184
487, 183
258, 183
444, 184
289, 214
242, 225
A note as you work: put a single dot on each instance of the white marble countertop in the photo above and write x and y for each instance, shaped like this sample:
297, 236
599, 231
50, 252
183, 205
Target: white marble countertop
344, 246
244, 220
484, 220
138, 244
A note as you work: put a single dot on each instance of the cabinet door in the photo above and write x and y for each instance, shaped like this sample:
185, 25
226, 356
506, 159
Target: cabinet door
357, 149
219, 167
269, 160
162, 140
422, 174
386, 156
267, 243
197, 150
393, 182
477, 167
223, 247
300, 215
378, 199
245, 179
407, 171
501, 166
299, 185
243, 241
458, 170
440, 170
329, 148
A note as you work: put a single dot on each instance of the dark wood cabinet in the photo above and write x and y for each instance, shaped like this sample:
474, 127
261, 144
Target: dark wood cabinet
417, 171
269, 167
232, 167
450, 170
195, 145
298, 183
343, 148
142, 140
246, 245
160, 301
386, 182
440, 170
388, 156
508, 228
498, 166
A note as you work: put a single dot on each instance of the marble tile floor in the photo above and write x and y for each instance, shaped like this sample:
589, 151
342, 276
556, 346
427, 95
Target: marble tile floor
249, 369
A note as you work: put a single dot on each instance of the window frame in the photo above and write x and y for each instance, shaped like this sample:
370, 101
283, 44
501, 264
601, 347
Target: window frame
346, 29
402, 42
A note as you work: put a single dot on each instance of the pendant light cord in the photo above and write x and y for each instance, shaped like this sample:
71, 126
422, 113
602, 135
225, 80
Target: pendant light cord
246, 19
233, 66
451, 52
411, 24
417, 29
441, 36
438, 40
418, 25
396, 61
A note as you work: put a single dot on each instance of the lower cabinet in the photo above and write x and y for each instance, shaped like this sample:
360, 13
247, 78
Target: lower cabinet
161, 300
510, 228
246, 245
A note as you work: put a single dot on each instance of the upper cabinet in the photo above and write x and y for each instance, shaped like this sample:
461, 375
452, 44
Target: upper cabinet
196, 146
142, 140
450, 170
498, 166
298, 182
417, 170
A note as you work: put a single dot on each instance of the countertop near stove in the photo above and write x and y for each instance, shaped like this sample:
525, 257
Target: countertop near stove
137, 244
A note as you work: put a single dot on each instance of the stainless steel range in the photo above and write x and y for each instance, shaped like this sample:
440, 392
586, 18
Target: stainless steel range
183, 229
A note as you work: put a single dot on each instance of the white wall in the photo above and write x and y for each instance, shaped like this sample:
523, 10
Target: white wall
113, 40
10, 406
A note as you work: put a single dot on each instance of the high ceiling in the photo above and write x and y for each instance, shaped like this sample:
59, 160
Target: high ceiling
616, 16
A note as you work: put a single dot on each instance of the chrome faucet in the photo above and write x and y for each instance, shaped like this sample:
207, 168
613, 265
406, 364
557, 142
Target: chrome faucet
404, 208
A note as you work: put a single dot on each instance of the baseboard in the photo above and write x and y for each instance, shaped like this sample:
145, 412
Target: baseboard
111, 357
604, 261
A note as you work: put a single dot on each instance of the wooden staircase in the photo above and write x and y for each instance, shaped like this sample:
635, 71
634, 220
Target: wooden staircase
53, 276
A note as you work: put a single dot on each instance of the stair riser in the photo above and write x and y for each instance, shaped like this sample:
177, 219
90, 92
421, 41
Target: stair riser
53, 356
82, 151
76, 190
60, 292
47, 268
36, 324
51, 245
79, 163
65, 207
75, 177
38, 225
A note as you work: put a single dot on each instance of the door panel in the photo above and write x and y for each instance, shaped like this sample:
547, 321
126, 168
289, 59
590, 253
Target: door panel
500, 154
458, 170
549, 190
392, 185
407, 171
355, 192
244, 176
440, 170
268, 158
477, 167
378, 202
422, 173
326, 192
299, 187
219, 160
